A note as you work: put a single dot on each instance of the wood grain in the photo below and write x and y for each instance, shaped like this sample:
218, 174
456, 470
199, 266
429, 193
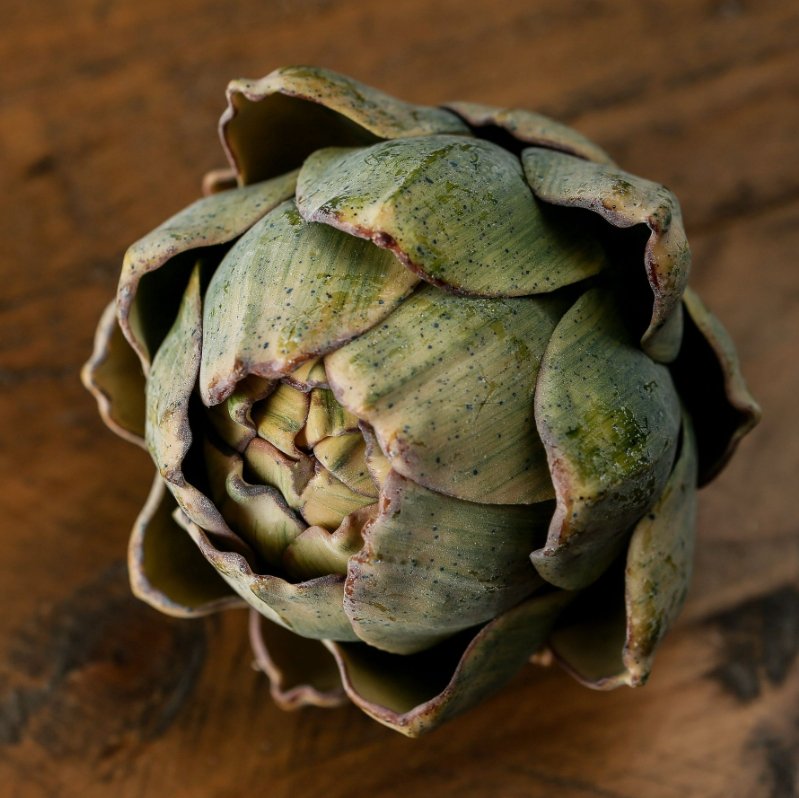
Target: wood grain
107, 121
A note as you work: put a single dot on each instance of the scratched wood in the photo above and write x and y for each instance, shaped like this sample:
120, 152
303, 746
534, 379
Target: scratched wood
107, 115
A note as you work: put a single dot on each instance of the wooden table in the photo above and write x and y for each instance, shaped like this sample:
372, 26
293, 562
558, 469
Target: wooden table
107, 120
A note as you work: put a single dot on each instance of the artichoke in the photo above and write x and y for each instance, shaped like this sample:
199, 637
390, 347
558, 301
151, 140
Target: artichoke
427, 390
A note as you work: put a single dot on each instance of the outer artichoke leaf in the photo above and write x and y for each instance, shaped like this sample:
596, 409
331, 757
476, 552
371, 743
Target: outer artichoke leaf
415, 694
281, 416
167, 432
708, 375
276, 122
447, 384
166, 569
625, 200
455, 210
318, 552
344, 456
256, 512
659, 563
528, 127
311, 609
216, 219
432, 565
113, 376
609, 418
288, 291
301, 672
376, 461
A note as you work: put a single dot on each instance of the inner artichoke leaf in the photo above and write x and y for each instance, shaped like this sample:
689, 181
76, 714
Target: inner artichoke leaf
301, 672
232, 420
432, 565
274, 123
308, 375
258, 513
210, 221
455, 210
281, 416
625, 200
166, 569
708, 375
114, 377
288, 291
326, 417
659, 562
326, 501
318, 552
344, 456
414, 694
447, 383
527, 127
313, 608
290, 475
609, 418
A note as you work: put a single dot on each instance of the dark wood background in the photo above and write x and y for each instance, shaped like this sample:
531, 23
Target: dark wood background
107, 121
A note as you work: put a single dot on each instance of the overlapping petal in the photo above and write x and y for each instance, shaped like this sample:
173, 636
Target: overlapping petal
273, 124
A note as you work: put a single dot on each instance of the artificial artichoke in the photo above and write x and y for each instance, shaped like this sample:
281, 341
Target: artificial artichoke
426, 388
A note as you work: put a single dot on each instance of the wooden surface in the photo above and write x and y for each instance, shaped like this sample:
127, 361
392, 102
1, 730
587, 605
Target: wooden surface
107, 121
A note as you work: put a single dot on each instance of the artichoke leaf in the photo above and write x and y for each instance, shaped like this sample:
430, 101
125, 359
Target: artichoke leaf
308, 375
213, 220
625, 200
166, 569
326, 501
258, 513
167, 431
290, 475
312, 609
609, 636
114, 377
414, 694
466, 563
318, 552
457, 211
301, 672
447, 383
288, 291
609, 418
326, 417
281, 416
276, 122
659, 562
708, 375
232, 420
344, 456
528, 127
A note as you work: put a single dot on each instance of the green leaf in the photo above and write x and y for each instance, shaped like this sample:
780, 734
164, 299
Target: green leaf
114, 377
625, 200
301, 672
527, 127
326, 417
708, 375
344, 456
213, 220
275, 123
232, 419
455, 210
258, 513
608, 637
288, 291
609, 418
166, 569
414, 694
281, 416
432, 565
447, 383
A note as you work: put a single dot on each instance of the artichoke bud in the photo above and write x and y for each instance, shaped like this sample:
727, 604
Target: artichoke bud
426, 389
